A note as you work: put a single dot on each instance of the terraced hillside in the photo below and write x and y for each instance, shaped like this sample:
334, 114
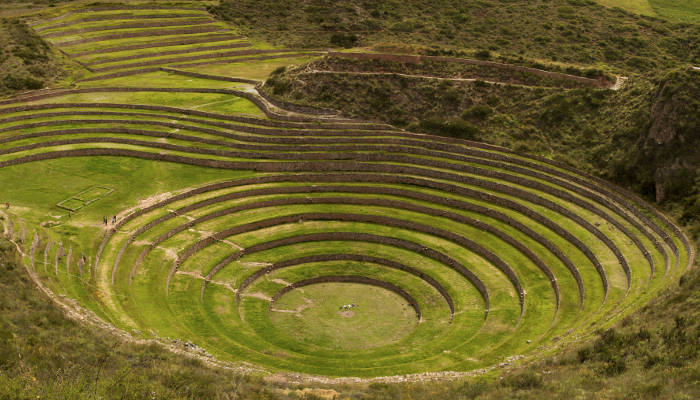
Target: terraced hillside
120, 40
179, 204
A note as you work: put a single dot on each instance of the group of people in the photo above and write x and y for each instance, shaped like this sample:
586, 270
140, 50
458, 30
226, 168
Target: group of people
105, 221
346, 307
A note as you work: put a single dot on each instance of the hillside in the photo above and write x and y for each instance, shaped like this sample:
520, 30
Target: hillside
280, 200
565, 31
675, 11
609, 134
26, 61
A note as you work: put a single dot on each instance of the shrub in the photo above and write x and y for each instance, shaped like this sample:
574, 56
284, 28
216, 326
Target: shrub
478, 111
455, 128
493, 100
615, 366
584, 354
403, 26
524, 381
640, 63
21, 83
483, 54
343, 39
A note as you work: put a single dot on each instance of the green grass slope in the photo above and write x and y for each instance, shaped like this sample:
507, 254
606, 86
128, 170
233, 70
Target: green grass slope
671, 10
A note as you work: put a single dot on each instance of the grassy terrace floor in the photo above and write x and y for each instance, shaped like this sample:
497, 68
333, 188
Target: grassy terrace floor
245, 228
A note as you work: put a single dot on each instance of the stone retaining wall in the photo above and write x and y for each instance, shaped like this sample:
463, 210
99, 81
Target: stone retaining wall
241, 59
249, 96
218, 37
386, 221
440, 257
131, 35
277, 167
208, 76
234, 118
349, 257
167, 53
378, 190
116, 17
401, 58
171, 60
132, 25
483, 252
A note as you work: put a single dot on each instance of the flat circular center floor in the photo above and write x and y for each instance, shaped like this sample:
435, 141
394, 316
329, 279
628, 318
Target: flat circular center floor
315, 315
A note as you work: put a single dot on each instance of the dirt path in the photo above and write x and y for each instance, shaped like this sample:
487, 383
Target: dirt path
281, 111
5, 230
197, 275
619, 82
308, 303
414, 76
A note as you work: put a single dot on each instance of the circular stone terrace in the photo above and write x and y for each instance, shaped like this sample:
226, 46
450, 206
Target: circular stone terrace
347, 248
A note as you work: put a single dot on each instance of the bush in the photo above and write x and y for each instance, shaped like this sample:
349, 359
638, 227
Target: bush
403, 26
584, 354
615, 366
493, 100
640, 63
478, 111
343, 39
524, 381
483, 54
456, 128
21, 83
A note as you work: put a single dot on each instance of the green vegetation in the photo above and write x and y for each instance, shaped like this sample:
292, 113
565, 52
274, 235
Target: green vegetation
637, 6
632, 136
230, 220
671, 10
233, 239
558, 125
566, 31
316, 316
26, 61
44, 354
